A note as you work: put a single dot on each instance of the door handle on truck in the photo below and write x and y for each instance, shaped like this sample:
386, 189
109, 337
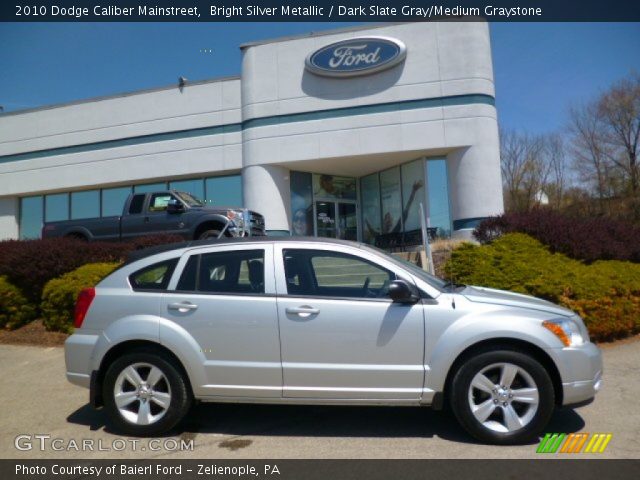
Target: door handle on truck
182, 307
303, 311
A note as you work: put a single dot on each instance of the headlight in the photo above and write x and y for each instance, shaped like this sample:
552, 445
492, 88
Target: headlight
236, 216
567, 330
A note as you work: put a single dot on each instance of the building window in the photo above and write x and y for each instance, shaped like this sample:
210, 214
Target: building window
301, 204
224, 191
370, 201
149, 187
438, 191
391, 201
193, 187
333, 187
413, 194
31, 215
113, 200
85, 204
56, 207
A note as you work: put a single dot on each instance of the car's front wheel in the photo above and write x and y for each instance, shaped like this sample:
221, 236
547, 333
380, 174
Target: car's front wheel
145, 394
502, 397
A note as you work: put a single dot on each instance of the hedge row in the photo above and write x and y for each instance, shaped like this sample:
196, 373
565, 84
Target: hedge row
606, 294
30, 264
15, 310
589, 239
60, 294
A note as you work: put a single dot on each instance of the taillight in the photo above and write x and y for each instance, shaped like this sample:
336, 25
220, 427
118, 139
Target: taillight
85, 297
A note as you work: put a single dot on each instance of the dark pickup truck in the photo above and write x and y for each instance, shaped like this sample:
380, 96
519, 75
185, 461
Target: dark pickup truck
167, 212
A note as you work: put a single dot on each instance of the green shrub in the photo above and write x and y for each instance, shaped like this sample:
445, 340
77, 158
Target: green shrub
60, 294
605, 293
14, 307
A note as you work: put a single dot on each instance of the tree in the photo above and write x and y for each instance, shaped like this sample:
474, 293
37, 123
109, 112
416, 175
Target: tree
591, 159
619, 111
525, 169
556, 157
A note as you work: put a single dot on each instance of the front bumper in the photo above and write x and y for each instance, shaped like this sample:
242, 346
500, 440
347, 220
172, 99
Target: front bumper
580, 369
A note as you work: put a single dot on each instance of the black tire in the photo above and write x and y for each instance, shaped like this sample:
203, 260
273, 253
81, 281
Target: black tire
461, 405
180, 393
213, 233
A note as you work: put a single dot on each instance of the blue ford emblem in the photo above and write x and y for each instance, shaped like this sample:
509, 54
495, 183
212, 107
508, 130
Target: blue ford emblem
357, 56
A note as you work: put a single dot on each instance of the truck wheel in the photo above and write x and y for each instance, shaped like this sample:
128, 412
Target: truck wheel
502, 397
144, 394
209, 234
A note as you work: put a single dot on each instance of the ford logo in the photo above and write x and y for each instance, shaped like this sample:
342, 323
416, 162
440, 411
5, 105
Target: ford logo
357, 56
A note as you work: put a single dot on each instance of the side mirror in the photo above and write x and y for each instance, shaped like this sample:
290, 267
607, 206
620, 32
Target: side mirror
401, 292
174, 206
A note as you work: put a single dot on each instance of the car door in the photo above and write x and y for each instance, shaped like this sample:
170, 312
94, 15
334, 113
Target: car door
224, 297
341, 336
159, 220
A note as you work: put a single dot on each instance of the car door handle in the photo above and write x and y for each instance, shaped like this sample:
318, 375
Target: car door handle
303, 311
183, 306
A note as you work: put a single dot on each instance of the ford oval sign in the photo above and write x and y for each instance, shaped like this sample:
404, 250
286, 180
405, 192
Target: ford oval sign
357, 56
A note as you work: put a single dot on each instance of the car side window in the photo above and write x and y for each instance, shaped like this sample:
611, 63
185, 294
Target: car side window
224, 272
137, 202
153, 277
159, 202
333, 274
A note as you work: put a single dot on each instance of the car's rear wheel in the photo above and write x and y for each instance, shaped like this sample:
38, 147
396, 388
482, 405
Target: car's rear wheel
502, 397
145, 394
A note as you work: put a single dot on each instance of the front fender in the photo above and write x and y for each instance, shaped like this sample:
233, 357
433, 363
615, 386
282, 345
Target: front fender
208, 218
476, 328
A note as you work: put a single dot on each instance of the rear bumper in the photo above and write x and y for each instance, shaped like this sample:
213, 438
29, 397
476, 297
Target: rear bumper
78, 351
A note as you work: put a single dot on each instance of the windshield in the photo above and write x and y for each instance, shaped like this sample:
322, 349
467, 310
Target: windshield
189, 199
432, 280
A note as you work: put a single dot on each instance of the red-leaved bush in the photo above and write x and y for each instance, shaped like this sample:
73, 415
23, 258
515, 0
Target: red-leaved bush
587, 239
30, 264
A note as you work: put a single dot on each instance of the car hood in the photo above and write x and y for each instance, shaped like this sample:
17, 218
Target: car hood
511, 299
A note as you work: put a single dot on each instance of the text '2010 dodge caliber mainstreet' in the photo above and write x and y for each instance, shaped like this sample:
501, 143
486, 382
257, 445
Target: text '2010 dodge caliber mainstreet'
310, 321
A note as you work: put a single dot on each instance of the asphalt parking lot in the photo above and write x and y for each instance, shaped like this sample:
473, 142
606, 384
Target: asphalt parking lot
36, 399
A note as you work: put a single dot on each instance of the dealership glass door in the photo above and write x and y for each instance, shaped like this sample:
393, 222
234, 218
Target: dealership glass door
336, 220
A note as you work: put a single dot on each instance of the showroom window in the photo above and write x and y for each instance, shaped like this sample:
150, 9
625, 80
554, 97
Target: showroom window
224, 191
149, 187
194, 187
85, 204
31, 216
56, 207
113, 200
391, 200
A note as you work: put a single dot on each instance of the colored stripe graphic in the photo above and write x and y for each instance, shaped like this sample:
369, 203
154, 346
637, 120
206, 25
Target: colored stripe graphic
574, 442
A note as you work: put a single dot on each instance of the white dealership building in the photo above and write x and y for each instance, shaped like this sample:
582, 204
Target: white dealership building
343, 133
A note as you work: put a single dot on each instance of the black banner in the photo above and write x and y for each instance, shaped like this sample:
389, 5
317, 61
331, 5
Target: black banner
320, 469
317, 10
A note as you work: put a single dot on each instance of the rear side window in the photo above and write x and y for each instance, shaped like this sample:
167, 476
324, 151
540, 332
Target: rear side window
136, 204
153, 277
224, 272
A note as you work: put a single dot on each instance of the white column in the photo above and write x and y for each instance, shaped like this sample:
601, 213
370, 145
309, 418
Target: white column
266, 190
475, 186
9, 211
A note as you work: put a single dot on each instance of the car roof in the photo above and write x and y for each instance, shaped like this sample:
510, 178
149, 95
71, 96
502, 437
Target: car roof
149, 251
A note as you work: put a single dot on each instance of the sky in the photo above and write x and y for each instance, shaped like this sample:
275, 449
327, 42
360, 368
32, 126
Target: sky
540, 68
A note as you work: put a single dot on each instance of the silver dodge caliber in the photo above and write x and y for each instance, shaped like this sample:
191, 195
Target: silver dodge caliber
314, 321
